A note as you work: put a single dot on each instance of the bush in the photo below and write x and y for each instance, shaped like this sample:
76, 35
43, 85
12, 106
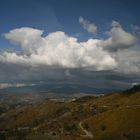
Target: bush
103, 127
70, 128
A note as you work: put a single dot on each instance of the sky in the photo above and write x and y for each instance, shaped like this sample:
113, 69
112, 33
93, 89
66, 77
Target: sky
76, 42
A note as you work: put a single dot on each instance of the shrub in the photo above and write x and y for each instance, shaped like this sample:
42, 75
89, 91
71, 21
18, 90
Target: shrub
103, 127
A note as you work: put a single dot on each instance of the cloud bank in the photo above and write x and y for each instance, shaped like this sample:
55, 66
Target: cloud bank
54, 56
56, 49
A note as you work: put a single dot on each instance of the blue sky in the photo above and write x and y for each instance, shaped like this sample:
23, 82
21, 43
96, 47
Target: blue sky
81, 42
53, 15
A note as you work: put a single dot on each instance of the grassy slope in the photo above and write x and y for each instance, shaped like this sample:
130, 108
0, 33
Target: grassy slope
115, 116
120, 121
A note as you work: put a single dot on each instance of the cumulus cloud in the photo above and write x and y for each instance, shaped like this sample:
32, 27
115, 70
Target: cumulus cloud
28, 38
87, 25
128, 60
118, 38
44, 54
56, 49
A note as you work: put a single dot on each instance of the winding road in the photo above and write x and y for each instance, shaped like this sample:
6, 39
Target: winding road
87, 133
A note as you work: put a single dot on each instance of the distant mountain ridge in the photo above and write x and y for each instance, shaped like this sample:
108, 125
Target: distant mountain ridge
39, 93
132, 90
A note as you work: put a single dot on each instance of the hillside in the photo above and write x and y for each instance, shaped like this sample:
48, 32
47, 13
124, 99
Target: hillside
111, 117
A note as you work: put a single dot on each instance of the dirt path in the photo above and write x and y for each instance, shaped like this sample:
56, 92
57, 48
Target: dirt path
87, 133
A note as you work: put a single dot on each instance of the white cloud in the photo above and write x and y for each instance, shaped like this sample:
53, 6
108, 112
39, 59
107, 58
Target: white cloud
118, 38
56, 49
90, 27
136, 30
28, 38
4, 85
8, 85
135, 84
115, 24
128, 61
